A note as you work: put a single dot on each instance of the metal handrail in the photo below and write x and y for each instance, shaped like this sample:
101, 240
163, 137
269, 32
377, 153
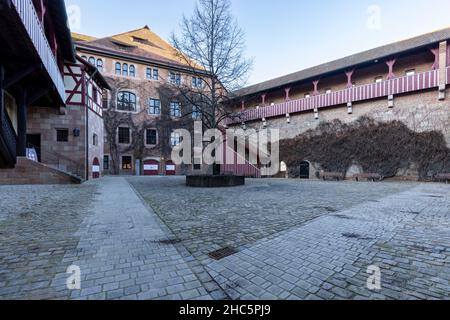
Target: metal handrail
8, 133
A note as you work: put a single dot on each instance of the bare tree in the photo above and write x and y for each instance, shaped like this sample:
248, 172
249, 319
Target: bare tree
212, 45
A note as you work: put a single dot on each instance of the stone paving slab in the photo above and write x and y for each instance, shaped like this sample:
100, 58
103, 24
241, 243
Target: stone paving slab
208, 219
123, 252
37, 229
407, 235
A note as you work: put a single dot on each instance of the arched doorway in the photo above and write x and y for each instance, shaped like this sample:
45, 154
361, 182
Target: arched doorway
304, 170
283, 170
151, 167
170, 168
96, 169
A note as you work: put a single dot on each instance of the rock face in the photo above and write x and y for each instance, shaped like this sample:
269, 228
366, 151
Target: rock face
214, 181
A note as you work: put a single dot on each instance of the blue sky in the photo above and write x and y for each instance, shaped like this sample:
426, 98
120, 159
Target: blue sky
282, 36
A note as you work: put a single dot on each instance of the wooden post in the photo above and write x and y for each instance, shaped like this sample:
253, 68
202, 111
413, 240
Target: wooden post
349, 75
316, 87
390, 63
2, 95
287, 91
22, 123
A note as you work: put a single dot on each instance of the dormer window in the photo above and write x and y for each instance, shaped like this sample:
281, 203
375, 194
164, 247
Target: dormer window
410, 73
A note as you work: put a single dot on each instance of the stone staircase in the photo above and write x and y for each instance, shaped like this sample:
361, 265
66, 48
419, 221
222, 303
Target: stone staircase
30, 172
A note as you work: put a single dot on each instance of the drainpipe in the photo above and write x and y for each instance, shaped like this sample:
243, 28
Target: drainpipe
87, 123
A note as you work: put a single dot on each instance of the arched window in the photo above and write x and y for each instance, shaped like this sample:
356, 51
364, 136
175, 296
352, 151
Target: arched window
100, 65
92, 61
84, 58
125, 69
126, 101
132, 71
118, 68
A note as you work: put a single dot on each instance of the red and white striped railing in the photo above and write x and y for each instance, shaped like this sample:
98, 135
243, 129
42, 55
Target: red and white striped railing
420, 81
234, 163
30, 20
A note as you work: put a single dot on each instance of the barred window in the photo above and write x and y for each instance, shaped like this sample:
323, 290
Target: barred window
105, 162
62, 135
151, 137
124, 135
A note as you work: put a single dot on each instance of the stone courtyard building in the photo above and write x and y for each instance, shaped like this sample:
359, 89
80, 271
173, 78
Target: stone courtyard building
50, 100
144, 106
405, 81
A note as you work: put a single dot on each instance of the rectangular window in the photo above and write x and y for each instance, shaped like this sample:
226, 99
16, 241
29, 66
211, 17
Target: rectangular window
197, 82
62, 135
378, 79
175, 78
124, 135
175, 109
95, 139
175, 139
151, 137
154, 106
105, 163
411, 72
152, 74
197, 167
105, 100
196, 113
127, 163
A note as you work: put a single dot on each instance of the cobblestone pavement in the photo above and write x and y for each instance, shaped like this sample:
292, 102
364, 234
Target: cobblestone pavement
120, 247
406, 235
210, 219
314, 240
295, 240
37, 228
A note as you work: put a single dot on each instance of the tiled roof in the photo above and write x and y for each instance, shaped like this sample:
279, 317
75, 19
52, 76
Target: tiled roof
347, 62
82, 37
140, 44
